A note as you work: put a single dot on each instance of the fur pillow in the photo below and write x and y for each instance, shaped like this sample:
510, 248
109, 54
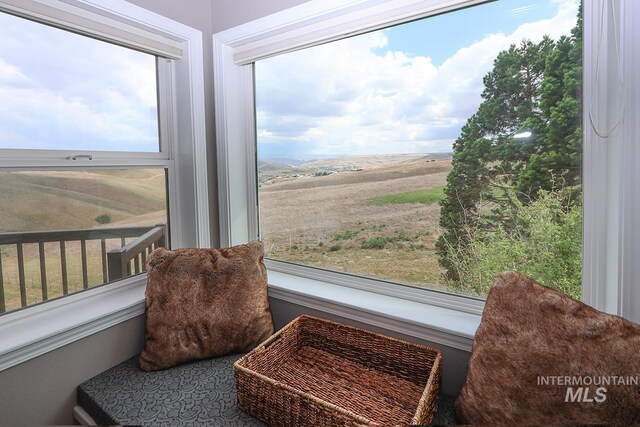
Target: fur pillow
204, 303
533, 348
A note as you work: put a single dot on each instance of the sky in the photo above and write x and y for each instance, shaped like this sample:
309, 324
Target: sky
405, 89
60, 90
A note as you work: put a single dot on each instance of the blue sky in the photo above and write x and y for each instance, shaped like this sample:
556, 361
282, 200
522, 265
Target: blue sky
409, 88
405, 89
464, 27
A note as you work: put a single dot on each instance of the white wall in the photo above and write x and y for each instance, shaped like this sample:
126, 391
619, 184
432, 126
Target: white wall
42, 391
230, 13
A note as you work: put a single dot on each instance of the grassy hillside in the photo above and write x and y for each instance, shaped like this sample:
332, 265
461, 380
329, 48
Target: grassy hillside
54, 200
378, 222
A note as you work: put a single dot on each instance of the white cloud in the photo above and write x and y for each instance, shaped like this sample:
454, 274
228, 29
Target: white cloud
61, 90
348, 98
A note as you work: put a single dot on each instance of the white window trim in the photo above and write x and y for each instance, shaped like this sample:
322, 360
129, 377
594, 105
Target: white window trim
319, 21
33, 331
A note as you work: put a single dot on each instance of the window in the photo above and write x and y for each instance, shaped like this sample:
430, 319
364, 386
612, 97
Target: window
77, 226
171, 182
610, 276
436, 153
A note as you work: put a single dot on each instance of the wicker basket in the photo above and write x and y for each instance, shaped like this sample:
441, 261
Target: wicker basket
315, 372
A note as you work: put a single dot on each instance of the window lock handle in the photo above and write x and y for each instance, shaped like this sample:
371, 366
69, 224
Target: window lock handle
80, 156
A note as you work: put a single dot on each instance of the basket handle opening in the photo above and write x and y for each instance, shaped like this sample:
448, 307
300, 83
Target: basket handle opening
271, 341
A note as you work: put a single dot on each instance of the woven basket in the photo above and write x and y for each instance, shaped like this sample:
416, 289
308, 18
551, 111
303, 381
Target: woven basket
314, 372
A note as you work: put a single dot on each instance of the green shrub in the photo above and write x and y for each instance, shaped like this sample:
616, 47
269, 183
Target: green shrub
345, 235
402, 235
375, 243
103, 218
335, 248
545, 243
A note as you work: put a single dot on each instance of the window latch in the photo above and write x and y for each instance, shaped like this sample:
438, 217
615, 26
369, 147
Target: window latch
80, 156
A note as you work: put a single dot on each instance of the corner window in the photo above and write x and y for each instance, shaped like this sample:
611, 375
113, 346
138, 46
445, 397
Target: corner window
433, 154
84, 166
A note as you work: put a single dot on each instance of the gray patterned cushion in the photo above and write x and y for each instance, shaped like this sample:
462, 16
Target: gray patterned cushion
197, 393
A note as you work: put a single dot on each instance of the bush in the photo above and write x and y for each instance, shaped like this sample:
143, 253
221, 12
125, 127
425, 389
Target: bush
545, 243
375, 243
402, 235
345, 235
335, 248
103, 218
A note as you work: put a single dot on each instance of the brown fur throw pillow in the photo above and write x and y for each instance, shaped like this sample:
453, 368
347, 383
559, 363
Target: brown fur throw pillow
542, 358
204, 303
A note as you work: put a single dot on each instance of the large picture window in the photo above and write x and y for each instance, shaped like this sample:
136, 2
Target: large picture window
434, 154
84, 166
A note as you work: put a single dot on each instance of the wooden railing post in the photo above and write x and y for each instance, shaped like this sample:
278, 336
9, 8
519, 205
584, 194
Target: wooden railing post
119, 260
162, 241
116, 265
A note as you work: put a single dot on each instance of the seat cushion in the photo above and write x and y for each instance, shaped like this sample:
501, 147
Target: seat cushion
540, 357
204, 303
198, 393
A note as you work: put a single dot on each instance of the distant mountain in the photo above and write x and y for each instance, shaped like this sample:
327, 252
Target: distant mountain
287, 160
275, 170
268, 169
364, 162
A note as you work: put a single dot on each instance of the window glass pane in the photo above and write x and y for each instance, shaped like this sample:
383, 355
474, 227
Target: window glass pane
69, 228
434, 154
60, 90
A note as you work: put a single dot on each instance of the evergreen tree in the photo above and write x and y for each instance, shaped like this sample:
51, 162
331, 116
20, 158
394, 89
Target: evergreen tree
533, 87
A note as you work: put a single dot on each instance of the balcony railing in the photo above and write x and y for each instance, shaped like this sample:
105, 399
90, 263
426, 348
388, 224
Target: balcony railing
128, 258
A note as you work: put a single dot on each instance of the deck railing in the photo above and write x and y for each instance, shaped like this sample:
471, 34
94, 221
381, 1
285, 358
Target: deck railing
120, 260
116, 263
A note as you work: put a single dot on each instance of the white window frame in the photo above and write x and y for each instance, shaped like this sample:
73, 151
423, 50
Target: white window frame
33, 331
609, 273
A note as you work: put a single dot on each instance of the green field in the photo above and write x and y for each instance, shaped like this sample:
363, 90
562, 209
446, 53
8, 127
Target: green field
425, 196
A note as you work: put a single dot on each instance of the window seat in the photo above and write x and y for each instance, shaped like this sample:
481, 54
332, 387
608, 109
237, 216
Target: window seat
197, 393
200, 393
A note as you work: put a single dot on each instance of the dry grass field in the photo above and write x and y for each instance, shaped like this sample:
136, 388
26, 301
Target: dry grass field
348, 221
56, 200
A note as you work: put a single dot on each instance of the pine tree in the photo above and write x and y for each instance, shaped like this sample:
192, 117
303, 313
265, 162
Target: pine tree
532, 87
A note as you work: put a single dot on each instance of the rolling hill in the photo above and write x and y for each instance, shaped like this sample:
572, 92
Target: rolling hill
57, 200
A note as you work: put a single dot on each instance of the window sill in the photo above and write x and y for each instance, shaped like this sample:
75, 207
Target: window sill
444, 326
34, 331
